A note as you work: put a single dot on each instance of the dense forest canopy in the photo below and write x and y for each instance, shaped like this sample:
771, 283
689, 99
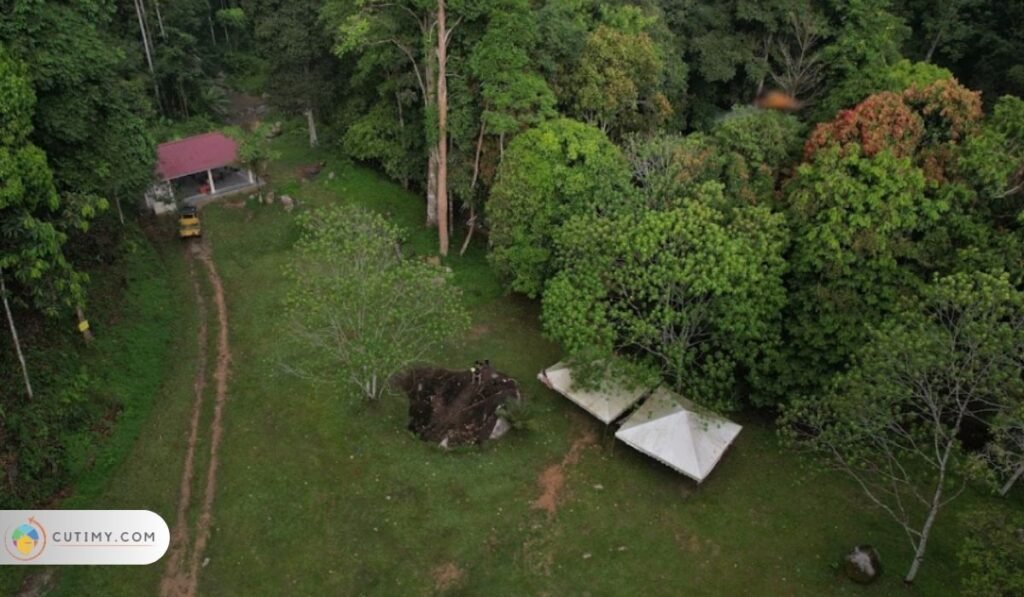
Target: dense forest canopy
748, 201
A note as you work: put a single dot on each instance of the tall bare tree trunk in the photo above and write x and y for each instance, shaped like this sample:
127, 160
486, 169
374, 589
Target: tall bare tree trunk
120, 212
14, 336
934, 46
476, 160
1009, 484
471, 222
311, 124
160, 19
149, 54
442, 129
209, 21
429, 98
432, 187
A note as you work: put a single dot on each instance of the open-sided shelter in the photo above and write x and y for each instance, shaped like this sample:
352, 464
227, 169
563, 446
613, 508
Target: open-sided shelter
607, 403
676, 432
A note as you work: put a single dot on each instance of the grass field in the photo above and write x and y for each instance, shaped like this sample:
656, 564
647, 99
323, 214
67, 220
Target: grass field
320, 493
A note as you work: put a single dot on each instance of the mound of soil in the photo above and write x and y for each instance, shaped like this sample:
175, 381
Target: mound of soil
457, 407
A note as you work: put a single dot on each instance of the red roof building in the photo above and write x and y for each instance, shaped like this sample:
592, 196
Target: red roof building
192, 155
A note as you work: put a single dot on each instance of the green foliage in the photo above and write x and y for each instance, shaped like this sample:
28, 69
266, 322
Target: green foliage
359, 311
906, 74
377, 135
853, 221
234, 17
993, 554
693, 291
254, 150
32, 229
992, 159
550, 173
866, 45
513, 94
616, 84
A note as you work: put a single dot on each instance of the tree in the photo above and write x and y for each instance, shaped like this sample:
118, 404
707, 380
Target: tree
853, 221
919, 121
616, 84
796, 65
550, 173
693, 291
939, 29
421, 33
866, 44
893, 422
513, 94
358, 311
31, 235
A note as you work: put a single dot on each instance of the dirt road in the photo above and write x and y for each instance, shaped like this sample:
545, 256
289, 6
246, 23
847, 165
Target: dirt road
188, 545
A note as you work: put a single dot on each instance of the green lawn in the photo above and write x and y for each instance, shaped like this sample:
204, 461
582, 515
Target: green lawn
320, 493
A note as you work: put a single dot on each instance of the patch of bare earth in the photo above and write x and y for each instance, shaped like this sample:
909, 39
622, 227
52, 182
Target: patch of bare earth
181, 579
447, 576
552, 479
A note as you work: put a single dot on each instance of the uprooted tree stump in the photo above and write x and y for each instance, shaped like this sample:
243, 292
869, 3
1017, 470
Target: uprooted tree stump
454, 408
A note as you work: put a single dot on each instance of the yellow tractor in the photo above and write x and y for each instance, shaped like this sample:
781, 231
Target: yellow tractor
188, 223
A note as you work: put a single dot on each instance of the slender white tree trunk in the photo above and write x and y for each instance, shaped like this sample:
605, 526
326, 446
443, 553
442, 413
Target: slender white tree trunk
432, 188
146, 48
14, 336
160, 19
120, 212
926, 530
442, 129
429, 98
209, 21
1009, 484
311, 124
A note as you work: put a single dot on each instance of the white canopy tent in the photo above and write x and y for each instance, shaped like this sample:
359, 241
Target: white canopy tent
606, 404
674, 431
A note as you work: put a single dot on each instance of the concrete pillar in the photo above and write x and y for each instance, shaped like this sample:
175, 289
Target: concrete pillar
209, 177
251, 179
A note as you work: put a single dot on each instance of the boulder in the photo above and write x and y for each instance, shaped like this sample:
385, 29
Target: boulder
287, 202
862, 565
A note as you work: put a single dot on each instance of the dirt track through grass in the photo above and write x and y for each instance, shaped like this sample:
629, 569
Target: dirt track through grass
180, 579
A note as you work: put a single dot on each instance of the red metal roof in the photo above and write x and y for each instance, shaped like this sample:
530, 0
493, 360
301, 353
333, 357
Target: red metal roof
195, 154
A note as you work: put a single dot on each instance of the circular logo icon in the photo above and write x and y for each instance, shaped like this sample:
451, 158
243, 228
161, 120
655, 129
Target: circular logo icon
26, 541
